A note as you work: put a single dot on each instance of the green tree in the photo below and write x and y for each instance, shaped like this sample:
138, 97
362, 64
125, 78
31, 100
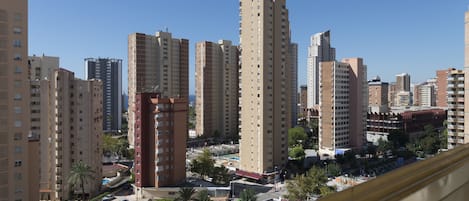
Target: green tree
80, 173
247, 195
300, 188
398, 138
304, 186
326, 190
220, 175
383, 146
314, 125
185, 194
109, 144
333, 169
203, 164
296, 135
444, 139
429, 145
202, 196
297, 153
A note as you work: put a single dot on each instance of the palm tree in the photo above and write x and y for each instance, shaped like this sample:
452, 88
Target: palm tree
79, 174
185, 194
202, 196
248, 195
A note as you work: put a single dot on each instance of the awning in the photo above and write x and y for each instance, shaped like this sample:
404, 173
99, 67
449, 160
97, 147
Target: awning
250, 175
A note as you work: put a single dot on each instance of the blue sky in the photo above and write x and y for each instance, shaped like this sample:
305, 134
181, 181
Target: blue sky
413, 36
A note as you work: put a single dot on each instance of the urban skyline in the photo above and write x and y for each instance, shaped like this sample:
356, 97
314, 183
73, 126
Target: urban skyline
66, 151
413, 24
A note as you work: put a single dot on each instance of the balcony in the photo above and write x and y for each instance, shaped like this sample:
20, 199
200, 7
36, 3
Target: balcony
443, 177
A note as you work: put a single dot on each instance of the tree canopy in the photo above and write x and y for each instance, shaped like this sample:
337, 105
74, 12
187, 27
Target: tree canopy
296, 135
80, 173
304, 186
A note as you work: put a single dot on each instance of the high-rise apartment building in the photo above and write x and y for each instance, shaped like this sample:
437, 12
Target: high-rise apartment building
424, 95
416, 94
334, 107
319, 50
40, 70
403, 82
109, 71
160, 141
343, 105
392, 91
265, 91
216, 90
378, 95
358, 100
457, 133
293, 53
14, 101
303, 100
70, 132
441, 87
156, 63
41, 67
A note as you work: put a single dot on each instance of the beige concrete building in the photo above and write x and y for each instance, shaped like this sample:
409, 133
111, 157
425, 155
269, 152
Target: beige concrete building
41, 67
216, 77
293, 53
378, 95
424, 95
358, 99
392, 91
457, 133
334, 107
265, 91
403, 98
156, 63
343, 105
40, 70
72, 133
160, 145
403, 82
14, 101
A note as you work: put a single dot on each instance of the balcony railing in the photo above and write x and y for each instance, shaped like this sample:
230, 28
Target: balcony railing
443, 177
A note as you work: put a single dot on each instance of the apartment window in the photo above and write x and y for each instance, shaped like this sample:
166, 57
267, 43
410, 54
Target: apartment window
17, 30
18, 163
18, 149
18, 123
17, 57
17, 43
17, 110
18, 69
18, 17
17, 97
17, 136
18, 176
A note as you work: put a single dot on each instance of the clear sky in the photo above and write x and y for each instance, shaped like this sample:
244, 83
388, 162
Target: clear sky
413, 36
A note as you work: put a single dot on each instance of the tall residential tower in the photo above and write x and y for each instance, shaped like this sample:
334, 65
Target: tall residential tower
109, 71
216, 89
294, 82
14, 100
157, 63
318, 51
265, 85
343, 105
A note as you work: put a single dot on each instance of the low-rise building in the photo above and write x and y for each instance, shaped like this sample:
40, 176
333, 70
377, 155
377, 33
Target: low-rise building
411, 121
